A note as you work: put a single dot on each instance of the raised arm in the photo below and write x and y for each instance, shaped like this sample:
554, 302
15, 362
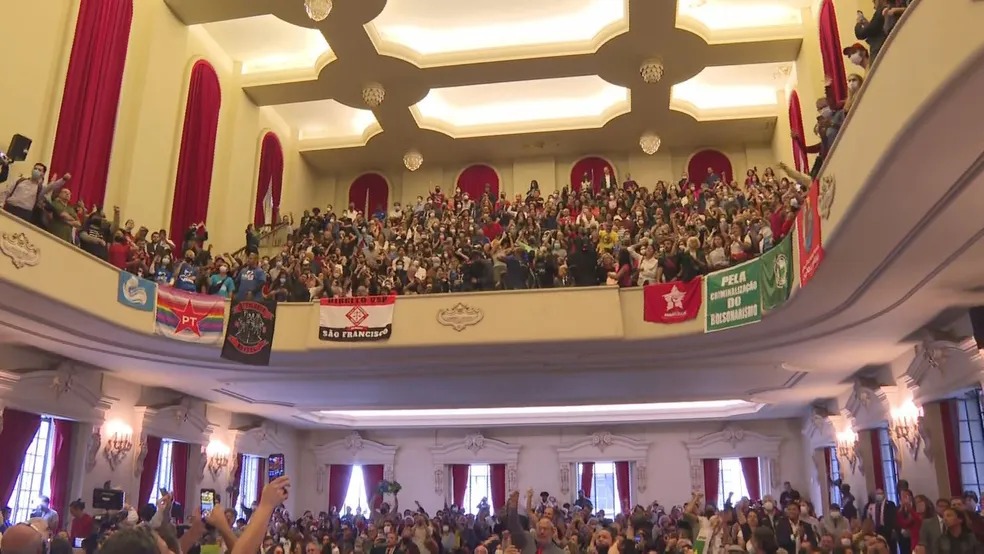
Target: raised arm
274, 494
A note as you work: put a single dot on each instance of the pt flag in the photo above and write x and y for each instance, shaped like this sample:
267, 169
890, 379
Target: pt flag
356, 319
249, 335
809, 236
734, 297
673, 302
777, 274
189, 317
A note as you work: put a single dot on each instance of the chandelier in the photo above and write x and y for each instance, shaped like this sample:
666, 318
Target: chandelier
649, 142
847, 447
651, 71
317, 10
906, 425
413, 160
373, 94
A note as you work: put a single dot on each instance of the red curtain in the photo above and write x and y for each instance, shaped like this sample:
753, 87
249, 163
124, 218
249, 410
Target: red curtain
800, 159
237, 479
179, 470
338, 482
622, 482
459, 483
271, 174
18, 432
369, 192
750, 471
371, 477
61, 466
201, 123
831, 53
587, 478
718, 162
948, 411
261, 477
594, 168
474, 179
497, 473
876, 459
149, 471
87, 120
712, 481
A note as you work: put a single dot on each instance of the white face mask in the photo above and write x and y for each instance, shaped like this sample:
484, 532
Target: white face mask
856, 58
846, 542
826, 112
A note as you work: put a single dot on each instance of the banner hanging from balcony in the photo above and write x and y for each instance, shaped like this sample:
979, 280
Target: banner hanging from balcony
357, 319
672, 302
777, 274
734, 297
189, 317
134, 292
249, 335
809, 236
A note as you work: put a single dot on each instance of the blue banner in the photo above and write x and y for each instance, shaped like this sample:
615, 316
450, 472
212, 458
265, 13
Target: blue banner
134, 292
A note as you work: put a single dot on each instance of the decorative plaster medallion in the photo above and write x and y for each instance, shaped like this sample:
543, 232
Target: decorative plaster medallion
460, 316
353, 442
602, 440
20, 250
475, 443
828, 188
733, 435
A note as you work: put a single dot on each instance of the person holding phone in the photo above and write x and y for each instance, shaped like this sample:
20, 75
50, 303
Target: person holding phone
83, 525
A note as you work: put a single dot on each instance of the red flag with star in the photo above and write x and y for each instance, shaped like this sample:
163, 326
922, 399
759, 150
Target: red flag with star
189, 317
673, 302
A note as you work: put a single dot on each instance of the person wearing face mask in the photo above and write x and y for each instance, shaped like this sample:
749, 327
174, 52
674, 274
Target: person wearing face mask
834, 523
23, 198
770, 515
186, 274
792, 532
858, 55
163, 271
220, 283
250, 279
884, 514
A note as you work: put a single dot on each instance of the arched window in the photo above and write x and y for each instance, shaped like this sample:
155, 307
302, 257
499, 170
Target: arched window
369, 193
591, 169
831, 53
87, 120
800, 159
704, 163
201, 124
475, 179
271, 181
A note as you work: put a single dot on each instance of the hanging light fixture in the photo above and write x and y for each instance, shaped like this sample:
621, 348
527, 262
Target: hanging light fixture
649, 142
413, 160
373, 94
317, 10
651, 71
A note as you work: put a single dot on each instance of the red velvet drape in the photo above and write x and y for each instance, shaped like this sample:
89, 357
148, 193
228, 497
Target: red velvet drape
594, 168
876, 459
237, 479
271, 174
18, 432
712, 481
261, 477
750, 471
497, 473
87, 120
61, 466
372, 475
474, 179
800, 159
369, 192
149, 471
622, 482
338, 482
459, 483
197, 155
831, 53
587, 478
948, 413
179, 470
717, 161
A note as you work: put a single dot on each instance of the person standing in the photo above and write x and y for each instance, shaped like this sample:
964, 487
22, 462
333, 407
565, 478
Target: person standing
24, 197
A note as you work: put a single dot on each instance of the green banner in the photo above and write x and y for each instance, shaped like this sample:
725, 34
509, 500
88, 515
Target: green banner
777, 274
733, 297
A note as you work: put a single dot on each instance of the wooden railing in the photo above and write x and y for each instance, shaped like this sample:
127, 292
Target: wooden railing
272, 238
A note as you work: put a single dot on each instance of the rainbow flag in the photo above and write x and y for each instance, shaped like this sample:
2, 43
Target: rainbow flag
190, 317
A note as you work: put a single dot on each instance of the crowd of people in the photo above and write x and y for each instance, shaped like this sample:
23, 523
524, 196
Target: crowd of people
787, 524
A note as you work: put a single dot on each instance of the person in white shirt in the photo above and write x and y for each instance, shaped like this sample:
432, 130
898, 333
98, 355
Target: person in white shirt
25, 194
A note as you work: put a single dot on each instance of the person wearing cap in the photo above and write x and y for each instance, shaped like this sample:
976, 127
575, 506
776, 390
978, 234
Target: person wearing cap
858, 55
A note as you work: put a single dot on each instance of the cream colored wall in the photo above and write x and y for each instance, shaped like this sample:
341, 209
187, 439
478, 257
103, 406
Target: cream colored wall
552, 173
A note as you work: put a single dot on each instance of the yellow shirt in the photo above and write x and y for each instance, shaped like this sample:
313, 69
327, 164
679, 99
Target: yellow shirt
607, 240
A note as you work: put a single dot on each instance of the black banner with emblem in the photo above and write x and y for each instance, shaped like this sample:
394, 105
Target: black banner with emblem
249, 333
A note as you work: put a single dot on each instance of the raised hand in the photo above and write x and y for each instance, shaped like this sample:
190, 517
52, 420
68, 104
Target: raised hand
275, 492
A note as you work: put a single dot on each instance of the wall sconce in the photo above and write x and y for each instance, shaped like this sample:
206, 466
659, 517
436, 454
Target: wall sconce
119, 443
847, 447
906, 425
218, 457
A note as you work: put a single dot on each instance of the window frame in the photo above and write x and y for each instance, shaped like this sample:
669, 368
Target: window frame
43, 487
249, 480
598, 478
970, 422
164, 474
835, 474
359, 482
740, 491
890, 470
474, 492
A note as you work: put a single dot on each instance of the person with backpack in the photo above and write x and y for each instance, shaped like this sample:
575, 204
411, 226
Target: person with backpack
25, 197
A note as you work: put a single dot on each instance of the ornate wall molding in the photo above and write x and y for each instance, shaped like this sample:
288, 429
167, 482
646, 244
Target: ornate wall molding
941, 364
604, 447
355, 450
21, 251
735, 442
260, 439
183, 421
475, 448
65, 390
868, 404
460, 316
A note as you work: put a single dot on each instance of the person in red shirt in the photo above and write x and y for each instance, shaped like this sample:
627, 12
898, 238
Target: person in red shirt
120, 251
83, 526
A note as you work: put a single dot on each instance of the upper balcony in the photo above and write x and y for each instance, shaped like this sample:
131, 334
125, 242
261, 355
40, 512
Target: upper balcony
903, 188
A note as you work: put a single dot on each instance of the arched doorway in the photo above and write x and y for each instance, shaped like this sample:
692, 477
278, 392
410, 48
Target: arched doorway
476, 180
370, 193
592, 168
708, 161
